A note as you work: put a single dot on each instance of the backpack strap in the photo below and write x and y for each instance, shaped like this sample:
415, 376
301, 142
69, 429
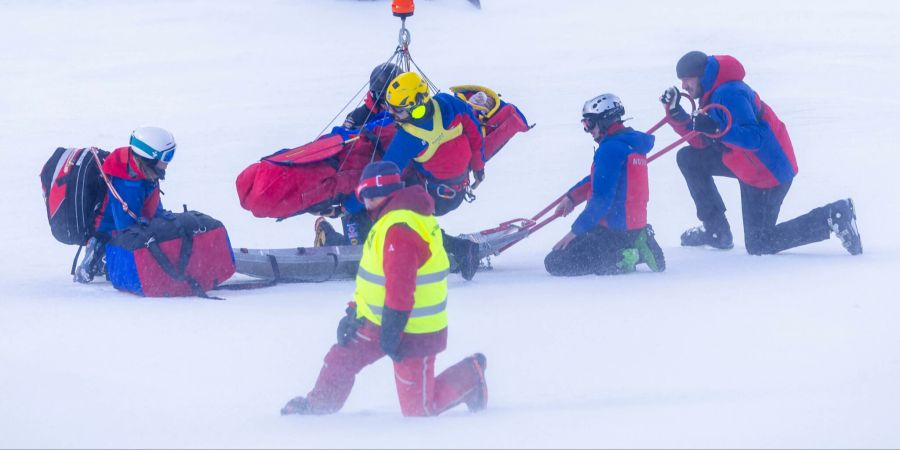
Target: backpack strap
109, 184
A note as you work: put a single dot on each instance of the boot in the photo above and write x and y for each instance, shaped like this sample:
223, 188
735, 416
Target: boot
297, 405
842, 221
477, 400
715, 233
628, 261
93, 263
326, 235
649, 250
464, 253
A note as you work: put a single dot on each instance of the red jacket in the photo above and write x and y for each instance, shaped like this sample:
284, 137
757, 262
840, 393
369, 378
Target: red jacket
404, 253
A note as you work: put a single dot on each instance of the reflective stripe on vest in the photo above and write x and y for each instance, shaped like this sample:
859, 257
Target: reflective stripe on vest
430, 298
434, 137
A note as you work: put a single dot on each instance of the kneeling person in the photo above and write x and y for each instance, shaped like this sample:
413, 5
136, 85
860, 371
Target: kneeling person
611, 236
399, 309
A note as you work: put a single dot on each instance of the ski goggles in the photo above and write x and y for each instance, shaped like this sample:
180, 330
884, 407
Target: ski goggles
589, 123
160, 155
414, 111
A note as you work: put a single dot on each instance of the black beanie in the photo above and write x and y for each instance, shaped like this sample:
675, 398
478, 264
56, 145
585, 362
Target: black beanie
692, 64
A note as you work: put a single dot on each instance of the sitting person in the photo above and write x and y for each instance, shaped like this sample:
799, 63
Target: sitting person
611, 236
134, 173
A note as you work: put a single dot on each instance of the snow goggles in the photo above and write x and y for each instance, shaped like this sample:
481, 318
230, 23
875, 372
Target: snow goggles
159, 155
589, 123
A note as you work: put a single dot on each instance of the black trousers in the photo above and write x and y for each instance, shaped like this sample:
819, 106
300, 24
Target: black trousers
763, 235
595, 252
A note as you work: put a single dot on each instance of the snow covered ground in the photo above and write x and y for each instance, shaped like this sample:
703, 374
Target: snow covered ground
800, 349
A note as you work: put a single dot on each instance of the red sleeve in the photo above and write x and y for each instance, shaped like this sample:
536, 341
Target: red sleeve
404, 253
581, 193
476, 142
680, 122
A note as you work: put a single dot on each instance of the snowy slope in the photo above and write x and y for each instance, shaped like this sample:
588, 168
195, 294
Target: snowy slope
724, 349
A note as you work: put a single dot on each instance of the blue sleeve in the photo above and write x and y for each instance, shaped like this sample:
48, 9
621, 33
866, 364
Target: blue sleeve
404, 147
132, 192
352, 205
746, 131
607, 169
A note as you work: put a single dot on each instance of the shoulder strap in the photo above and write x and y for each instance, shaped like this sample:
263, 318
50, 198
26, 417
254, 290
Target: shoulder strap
109, 184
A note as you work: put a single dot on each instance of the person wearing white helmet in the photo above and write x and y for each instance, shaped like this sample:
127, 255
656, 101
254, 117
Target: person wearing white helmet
611, 236
134, 172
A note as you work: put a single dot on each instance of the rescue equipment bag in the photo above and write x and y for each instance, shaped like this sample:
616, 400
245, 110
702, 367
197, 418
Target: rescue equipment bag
176, 254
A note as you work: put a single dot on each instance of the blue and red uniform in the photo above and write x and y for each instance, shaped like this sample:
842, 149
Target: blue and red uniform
617, 190
139, 193
453, 159
758, 149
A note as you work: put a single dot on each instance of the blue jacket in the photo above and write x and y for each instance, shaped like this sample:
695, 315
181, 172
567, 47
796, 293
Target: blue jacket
617, 190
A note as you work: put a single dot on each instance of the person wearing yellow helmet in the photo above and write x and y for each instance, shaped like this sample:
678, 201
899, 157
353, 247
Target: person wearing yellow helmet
438, 142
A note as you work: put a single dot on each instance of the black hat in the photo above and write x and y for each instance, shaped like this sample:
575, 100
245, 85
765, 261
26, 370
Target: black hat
692, 64
379, 179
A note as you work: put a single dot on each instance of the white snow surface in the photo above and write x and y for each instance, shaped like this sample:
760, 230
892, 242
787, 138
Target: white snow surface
724, 349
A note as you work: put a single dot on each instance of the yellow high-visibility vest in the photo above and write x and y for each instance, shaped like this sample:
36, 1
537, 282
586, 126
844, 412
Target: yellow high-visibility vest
429, 313
434, 137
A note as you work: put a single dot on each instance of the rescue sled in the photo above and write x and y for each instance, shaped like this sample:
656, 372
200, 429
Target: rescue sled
300, 264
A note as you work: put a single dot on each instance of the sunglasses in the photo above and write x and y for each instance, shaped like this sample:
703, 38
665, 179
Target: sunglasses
414, 111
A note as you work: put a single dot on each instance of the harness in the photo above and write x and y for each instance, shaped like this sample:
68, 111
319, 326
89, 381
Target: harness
435, 137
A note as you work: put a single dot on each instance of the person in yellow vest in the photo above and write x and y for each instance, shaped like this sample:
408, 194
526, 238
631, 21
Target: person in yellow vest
399, 309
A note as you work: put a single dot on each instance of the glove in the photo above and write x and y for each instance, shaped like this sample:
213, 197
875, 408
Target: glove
392, 324
671, 97
705, 124
479, 177
565, 206
348, 326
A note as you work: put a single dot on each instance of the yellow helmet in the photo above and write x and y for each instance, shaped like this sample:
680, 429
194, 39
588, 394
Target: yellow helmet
407, 90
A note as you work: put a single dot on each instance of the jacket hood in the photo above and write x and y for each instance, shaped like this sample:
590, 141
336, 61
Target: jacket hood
413, 198
721, 69
638, 142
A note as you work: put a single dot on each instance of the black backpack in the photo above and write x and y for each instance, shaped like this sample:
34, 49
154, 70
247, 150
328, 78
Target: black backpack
74, 191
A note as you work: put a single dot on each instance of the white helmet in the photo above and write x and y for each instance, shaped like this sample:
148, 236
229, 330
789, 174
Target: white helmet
603, 107
153, 143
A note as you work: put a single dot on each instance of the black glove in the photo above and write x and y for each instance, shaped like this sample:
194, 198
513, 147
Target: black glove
671, 98
392, 324
348, 325
705, 124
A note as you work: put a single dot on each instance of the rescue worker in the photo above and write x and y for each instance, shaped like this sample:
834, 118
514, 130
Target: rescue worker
134, 172
399, 309
757, 151
439, 140
611, 236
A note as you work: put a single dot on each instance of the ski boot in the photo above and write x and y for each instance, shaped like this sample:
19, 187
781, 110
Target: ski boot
630, 258
464, 255
716, 234
326, 235
842, 221
297, 405
477, 400
649, 250
94, 262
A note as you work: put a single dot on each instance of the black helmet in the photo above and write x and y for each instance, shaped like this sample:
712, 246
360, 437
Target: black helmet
380, 77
